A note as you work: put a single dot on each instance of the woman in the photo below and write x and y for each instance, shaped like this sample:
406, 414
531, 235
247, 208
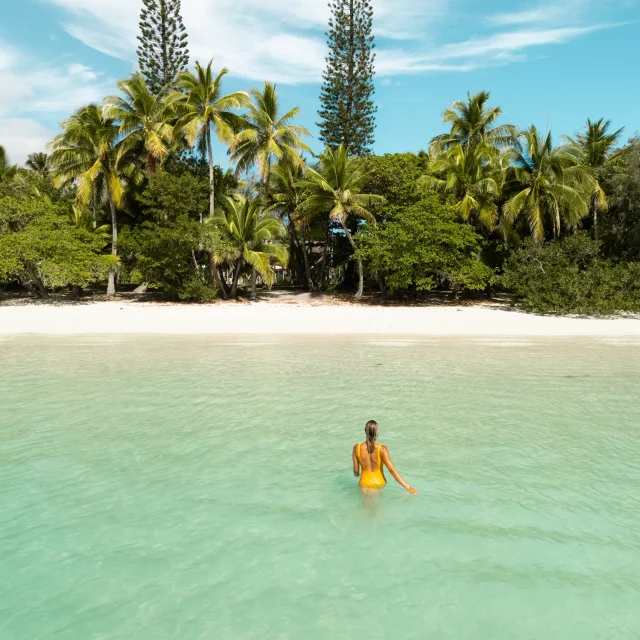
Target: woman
370, 457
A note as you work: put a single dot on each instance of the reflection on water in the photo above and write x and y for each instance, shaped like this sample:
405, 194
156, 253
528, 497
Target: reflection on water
202, 488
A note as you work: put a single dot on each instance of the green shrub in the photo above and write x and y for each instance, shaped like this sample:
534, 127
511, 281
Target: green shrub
423, 246
197, 291
40, 248
163, 256
568, 276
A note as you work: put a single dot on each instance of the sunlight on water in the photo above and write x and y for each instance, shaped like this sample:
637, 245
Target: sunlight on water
201, 488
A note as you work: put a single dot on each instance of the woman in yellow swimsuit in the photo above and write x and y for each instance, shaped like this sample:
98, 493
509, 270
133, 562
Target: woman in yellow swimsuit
369, 458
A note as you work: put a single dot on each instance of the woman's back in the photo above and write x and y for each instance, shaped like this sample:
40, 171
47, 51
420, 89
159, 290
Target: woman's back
372, 475
370, 461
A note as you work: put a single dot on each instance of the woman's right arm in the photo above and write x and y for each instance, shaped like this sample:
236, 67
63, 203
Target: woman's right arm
386, 458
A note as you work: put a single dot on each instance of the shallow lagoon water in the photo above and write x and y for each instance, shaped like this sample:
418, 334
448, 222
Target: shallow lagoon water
191, 487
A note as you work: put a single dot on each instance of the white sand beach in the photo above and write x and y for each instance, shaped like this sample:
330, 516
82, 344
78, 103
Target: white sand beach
298, 318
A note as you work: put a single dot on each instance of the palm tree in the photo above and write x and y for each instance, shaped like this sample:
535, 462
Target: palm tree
145, 120
38, 162
268, 136
471, 179
7, 170
548, 185
594, 150
257, 237
82, 218
334, 189
202, 107
86, 152
286, 198
473, 123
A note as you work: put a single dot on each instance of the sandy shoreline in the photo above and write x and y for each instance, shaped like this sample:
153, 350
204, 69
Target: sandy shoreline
124, 317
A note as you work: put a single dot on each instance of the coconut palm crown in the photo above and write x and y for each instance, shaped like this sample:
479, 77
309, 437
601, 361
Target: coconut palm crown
269, 136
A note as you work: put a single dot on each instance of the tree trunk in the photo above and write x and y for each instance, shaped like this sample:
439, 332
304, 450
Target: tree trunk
595, 221
360, 290
307, 267
236, 276
325, 249
214, 274
93, 206
150, 164
223, 284
254, 277
302, 245
111, 287
29, 286
381, 284
35, 279
351, 64
211, 177
264, 186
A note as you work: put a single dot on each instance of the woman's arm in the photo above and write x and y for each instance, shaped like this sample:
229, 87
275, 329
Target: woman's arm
356, 464
386, 458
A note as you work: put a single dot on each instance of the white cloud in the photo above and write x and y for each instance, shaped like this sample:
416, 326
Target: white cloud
6, 57
82, 72
30, 87
557, 14
511, 41
14, 90
284, 41
497, 49
22, 136
393, 62
528, 16
60, 92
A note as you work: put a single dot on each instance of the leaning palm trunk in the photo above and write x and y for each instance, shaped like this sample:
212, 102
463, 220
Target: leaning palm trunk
111, 288
360, 291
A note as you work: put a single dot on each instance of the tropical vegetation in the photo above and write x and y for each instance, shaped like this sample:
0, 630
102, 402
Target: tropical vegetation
129, 197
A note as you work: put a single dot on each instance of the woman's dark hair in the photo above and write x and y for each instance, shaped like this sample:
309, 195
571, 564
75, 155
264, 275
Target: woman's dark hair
371, 430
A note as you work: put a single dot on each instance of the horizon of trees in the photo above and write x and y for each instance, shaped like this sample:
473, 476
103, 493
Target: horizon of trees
337, 217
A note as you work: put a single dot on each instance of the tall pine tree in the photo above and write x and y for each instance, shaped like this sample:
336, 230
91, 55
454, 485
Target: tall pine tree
348, 111
163, 43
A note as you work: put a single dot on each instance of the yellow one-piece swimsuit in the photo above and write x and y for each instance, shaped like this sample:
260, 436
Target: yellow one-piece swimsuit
371, 479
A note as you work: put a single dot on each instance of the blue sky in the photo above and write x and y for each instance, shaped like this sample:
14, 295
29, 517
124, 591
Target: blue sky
545, 61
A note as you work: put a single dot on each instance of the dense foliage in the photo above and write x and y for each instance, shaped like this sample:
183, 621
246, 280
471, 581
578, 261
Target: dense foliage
42, 249
347, 108
423, 246
570, 276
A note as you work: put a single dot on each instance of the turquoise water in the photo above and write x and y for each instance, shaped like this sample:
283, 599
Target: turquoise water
201, 488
